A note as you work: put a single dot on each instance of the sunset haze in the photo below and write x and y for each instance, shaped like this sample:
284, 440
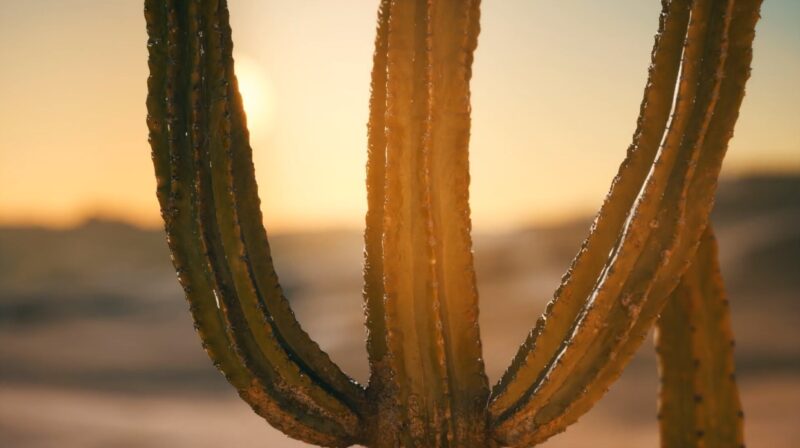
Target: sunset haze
555, 95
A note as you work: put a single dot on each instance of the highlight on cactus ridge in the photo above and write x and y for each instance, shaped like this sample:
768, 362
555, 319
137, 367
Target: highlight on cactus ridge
649, 259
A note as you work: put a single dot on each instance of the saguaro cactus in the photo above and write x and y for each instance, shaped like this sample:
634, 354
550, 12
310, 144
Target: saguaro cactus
427, 385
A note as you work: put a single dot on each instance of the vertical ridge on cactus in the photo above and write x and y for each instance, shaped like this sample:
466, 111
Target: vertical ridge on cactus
428, 385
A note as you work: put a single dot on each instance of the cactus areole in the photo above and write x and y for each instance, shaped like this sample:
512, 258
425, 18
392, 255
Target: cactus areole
649, 259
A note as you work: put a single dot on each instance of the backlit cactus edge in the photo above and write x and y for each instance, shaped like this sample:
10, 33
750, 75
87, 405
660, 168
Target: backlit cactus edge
649, 253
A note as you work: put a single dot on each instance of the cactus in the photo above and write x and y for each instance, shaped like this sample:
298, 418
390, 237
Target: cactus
699, 403
427, 385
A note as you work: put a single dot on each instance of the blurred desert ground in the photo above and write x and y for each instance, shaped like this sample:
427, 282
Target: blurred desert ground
97, 348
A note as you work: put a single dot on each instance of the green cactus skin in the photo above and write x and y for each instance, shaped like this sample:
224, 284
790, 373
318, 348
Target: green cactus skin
698, 403
428, 386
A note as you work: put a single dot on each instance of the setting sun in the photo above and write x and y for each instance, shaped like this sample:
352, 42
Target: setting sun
257, 95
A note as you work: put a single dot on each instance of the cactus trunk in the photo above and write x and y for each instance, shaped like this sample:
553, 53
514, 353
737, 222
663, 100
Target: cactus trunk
427, 369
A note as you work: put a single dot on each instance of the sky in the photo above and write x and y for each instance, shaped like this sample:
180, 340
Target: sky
555, 95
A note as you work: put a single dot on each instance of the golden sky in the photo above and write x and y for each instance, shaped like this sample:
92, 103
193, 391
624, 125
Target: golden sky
556, 91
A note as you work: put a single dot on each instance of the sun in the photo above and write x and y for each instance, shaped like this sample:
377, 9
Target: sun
257, 95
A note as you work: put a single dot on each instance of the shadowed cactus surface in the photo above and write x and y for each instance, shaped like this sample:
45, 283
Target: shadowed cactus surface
427, 384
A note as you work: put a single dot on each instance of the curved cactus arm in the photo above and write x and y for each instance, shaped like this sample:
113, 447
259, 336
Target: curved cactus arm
720, 129
632, 258
420, 283
206, 187
711, 132
255, 248
668, 223
698, 402
553, 327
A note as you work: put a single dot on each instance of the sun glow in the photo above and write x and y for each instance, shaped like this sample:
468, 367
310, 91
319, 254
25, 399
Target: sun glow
540, 98
257, 96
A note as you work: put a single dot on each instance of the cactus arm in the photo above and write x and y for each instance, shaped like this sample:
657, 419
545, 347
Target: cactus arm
624, 257
438, 388
746, 15
256, 251
255, 248
713, 136
270, 318
737, 71
676, 406
182, 83
545, 339
168, 60
698, 401
653, 262
258, 335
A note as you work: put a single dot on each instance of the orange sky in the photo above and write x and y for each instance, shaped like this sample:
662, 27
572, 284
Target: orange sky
556, 92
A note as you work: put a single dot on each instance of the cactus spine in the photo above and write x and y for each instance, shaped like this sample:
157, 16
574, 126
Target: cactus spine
427, 385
